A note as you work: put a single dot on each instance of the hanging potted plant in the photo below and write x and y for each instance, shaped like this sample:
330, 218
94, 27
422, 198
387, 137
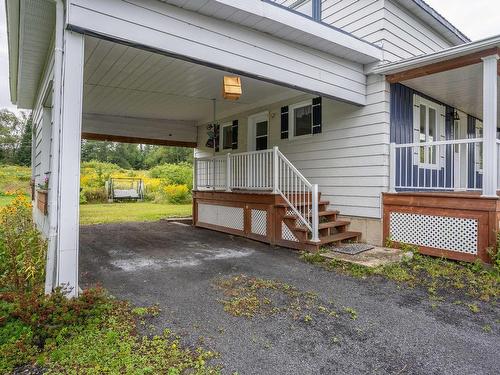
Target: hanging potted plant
43, 195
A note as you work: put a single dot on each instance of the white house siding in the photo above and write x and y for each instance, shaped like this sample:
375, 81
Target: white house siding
42, 142
349, 159
220, 44
384, 23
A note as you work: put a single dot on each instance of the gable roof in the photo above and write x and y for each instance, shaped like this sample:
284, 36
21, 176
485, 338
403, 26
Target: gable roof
433, 18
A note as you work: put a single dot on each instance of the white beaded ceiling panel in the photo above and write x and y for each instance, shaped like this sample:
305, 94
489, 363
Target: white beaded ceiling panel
439, 232
259, 222
224, 216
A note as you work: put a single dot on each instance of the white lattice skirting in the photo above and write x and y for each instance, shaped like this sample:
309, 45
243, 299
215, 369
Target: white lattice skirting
224, 216
259, 222
439, 232
287, 234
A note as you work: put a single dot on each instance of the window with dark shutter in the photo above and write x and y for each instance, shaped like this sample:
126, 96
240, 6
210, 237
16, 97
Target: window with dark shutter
284, 122
235, 134
316, 114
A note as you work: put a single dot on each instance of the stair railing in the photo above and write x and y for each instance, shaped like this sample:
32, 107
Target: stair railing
300, 195
262, 170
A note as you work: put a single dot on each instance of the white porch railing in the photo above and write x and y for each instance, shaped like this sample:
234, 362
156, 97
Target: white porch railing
261, 170
498, 164
454, 165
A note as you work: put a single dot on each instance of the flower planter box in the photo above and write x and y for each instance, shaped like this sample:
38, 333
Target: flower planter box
42, 201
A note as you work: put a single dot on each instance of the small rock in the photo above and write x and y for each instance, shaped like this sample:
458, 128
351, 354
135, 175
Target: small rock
407, 256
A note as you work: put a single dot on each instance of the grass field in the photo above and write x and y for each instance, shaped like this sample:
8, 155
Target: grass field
122, 212
6, 199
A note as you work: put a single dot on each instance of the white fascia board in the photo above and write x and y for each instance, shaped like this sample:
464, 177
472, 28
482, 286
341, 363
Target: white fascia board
446, 54
12, 13
354, 48
223, 45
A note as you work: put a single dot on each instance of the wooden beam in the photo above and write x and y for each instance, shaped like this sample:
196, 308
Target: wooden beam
137, 140
442, 66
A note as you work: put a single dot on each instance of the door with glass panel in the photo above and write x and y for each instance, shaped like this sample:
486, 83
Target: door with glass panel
258, 126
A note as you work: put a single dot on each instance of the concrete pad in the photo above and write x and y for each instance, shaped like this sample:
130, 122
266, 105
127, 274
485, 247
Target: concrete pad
375, 257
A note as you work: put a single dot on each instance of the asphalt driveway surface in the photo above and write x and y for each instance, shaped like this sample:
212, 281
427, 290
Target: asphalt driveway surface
397, 330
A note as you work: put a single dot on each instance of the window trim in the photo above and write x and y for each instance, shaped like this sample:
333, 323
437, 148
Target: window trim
418, 101
221, 132
478, 149
291, 119
252, 131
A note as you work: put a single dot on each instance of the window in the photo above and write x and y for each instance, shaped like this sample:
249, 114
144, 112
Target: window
301, 118
479, 147
227, 136
428, 122
261, 135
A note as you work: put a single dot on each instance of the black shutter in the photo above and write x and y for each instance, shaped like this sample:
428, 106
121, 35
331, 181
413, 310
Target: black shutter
234, 134
284, 122
316, 112
216, 137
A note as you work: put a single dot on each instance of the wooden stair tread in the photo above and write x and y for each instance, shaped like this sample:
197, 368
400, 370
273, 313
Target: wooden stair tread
334, 224
320, 203
337, 237
320, 213
330, 224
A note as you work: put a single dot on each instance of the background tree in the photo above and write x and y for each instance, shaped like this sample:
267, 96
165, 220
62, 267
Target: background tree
12, 129
23, 154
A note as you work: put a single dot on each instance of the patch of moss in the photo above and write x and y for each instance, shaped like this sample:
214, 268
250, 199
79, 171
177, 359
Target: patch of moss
246, 296
439, 276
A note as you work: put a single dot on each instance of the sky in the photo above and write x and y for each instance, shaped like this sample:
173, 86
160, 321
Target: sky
477, 19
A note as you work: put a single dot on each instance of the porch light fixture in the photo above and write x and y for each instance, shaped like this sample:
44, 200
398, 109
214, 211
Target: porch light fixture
456, 117
231, 88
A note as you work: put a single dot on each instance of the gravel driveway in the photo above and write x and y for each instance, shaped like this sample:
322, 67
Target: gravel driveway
397, 330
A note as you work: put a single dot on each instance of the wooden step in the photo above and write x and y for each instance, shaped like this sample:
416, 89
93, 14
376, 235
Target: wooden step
334, 224
337, 237
329, 224
321, 203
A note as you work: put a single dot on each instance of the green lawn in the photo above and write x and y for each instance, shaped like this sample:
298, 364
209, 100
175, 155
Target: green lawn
134, 211
6, 199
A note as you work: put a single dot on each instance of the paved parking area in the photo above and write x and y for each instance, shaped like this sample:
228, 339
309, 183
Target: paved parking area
397, 330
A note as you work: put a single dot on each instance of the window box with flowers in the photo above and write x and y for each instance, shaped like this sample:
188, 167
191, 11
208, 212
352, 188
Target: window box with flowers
42, 194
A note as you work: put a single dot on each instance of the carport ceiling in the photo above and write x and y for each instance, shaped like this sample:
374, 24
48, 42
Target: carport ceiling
127, 81
461, 88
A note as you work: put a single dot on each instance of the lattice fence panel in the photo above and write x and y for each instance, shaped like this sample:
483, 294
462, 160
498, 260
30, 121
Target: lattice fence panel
440, 232
287, 234
224, 216
259, 222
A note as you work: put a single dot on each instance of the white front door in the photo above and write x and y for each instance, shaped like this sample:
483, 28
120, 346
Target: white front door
258, 132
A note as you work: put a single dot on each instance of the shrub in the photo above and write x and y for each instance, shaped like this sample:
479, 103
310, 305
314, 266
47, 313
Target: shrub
174, 174
177, 194
22, 249
94, 195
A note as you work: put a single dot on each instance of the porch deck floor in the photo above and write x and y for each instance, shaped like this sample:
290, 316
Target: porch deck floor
397, 329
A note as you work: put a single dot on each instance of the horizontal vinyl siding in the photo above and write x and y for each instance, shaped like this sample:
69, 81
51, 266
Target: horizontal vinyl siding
384, 23
221, 44
349, 159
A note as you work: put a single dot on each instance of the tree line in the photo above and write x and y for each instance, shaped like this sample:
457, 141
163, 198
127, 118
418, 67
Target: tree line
16, 132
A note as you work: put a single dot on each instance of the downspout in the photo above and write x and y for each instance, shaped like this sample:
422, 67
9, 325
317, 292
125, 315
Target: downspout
52, 261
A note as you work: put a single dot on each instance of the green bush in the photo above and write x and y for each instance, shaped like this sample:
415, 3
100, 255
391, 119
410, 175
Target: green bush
174, 174
177, 194
22, 249
94, 195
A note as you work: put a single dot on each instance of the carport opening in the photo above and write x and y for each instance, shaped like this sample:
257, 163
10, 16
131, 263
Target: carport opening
134, 182
144, 115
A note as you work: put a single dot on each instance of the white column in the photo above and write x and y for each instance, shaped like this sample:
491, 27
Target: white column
490, 97
68, 198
